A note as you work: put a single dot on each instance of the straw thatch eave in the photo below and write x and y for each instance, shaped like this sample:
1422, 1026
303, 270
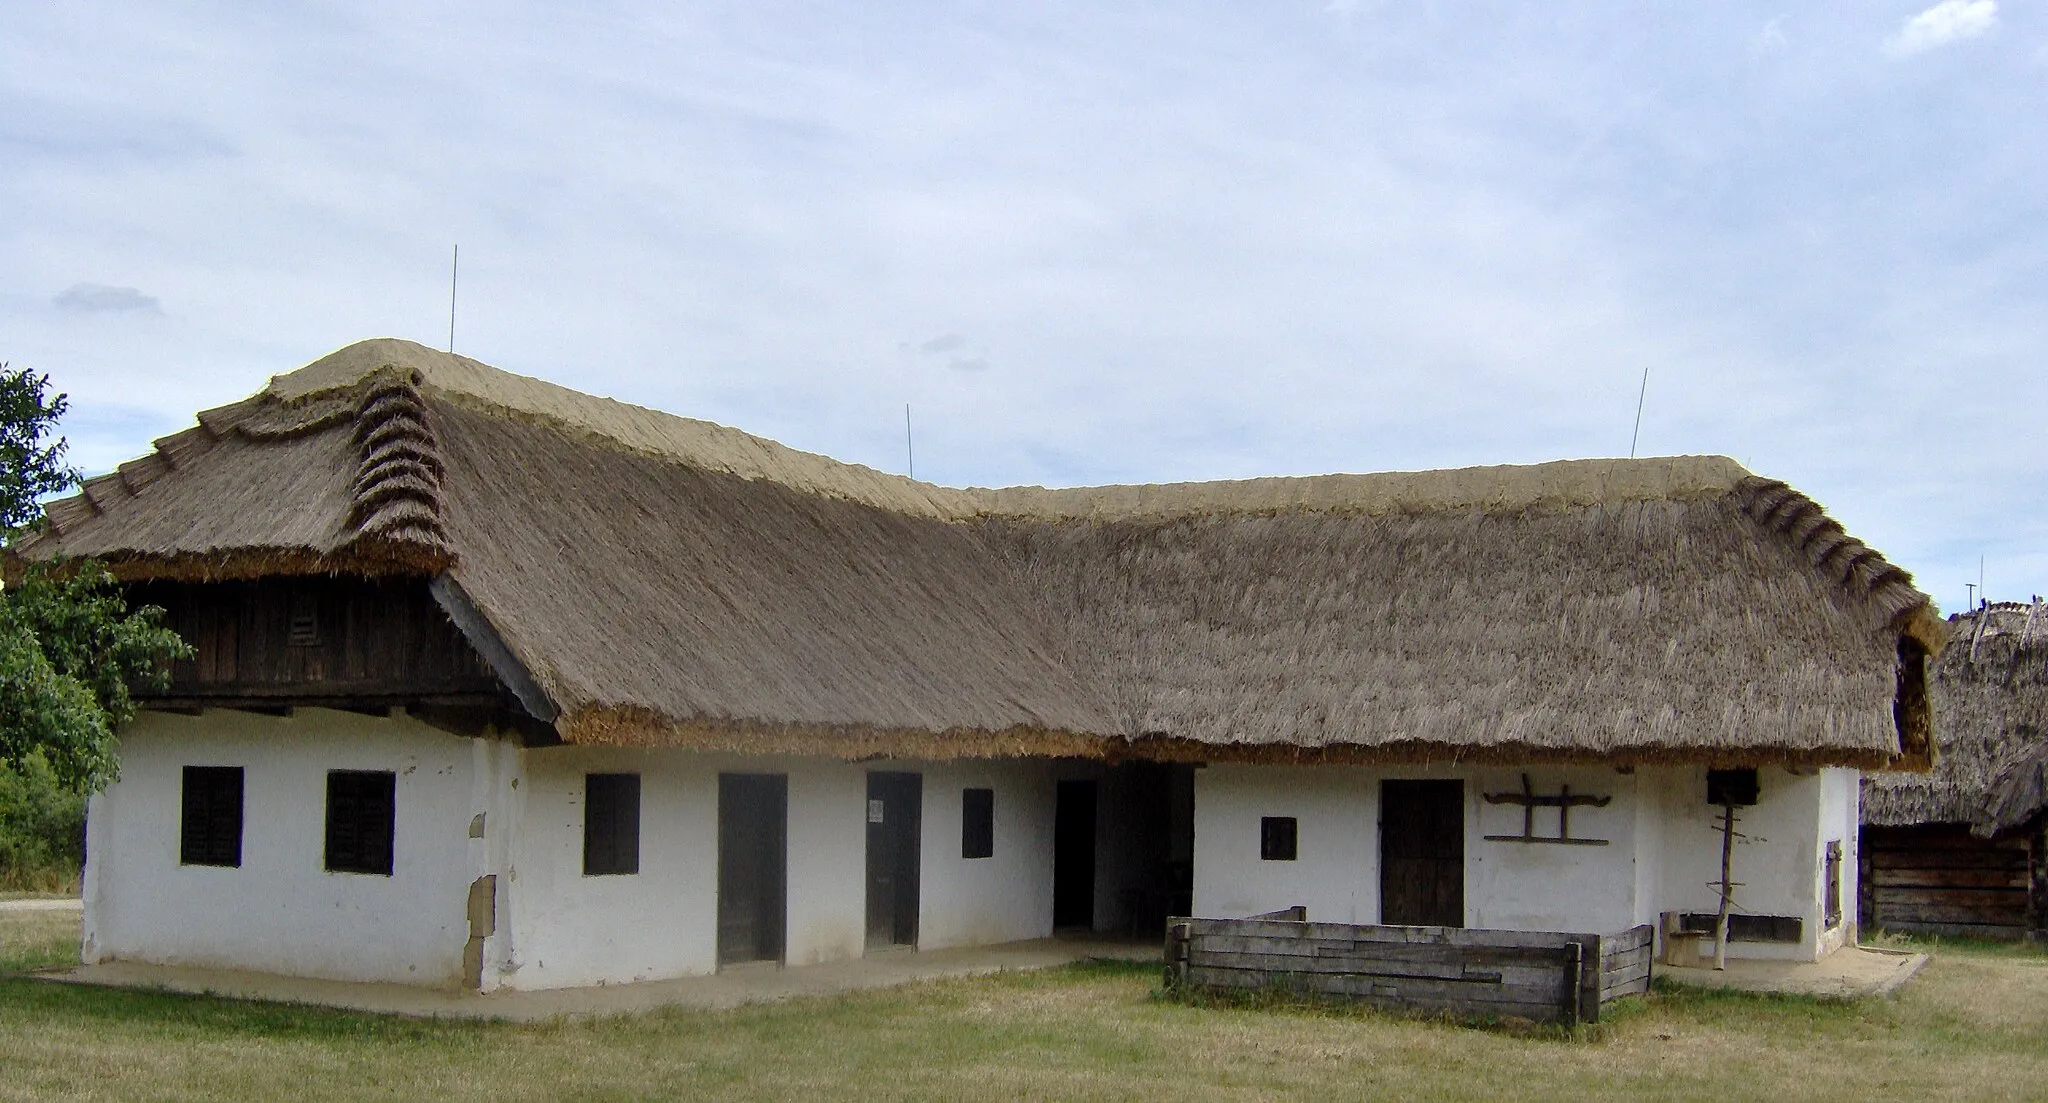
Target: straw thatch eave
1990, 692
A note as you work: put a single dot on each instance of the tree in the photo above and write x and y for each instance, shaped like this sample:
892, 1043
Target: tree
71, 651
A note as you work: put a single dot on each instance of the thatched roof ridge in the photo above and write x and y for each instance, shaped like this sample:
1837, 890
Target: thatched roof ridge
667, 581
1990, 691
354, 487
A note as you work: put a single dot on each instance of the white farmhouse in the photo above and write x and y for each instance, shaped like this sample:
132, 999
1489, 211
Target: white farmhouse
499, 685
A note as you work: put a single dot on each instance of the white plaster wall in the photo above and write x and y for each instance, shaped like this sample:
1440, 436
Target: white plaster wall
1511, 886
1550, 887
1663, 848
281, 911
1007, 896
662, 922
1337, 873
1841, 819
1777, 855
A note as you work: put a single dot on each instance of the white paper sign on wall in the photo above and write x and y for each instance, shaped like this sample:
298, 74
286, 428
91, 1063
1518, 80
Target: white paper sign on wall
874, 811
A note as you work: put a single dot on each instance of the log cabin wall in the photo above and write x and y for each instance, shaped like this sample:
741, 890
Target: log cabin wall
338, 642
1938, 879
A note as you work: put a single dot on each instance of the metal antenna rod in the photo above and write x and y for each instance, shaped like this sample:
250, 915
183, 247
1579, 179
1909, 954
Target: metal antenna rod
1640, 395
909, 447
454, 265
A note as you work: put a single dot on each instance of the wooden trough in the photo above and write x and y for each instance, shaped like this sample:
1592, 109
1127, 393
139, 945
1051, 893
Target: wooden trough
1538, 975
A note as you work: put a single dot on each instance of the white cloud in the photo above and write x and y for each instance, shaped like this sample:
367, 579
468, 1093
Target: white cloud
1946, 22
98, 298
1771, 39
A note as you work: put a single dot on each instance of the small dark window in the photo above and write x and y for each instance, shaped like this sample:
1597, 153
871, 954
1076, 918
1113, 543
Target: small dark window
977, 823
361, 805
1277, 838
611, 824
304, 630
210, 827
1831, 909
1738, 787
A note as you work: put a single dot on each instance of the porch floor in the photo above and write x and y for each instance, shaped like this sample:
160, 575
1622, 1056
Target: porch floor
735, 985
1852, 972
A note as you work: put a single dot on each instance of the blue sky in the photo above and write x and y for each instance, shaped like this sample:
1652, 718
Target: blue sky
1089, 243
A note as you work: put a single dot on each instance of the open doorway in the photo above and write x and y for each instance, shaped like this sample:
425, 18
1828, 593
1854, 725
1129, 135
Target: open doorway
1073, 855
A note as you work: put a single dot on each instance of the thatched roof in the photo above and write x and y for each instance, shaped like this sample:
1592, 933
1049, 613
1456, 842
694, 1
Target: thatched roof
668, 581
1990, 693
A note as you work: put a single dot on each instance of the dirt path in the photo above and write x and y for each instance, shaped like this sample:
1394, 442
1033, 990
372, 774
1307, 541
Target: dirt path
43, 905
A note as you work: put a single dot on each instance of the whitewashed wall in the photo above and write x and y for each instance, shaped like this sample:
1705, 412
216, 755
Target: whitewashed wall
1006, 897
1549, 887
662, 922
281, 911
1663, 847
1778, 856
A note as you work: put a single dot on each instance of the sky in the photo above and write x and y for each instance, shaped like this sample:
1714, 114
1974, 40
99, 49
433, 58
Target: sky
1088, 243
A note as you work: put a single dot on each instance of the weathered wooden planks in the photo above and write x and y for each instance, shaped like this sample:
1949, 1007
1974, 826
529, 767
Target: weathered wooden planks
1547, 976
1940, 879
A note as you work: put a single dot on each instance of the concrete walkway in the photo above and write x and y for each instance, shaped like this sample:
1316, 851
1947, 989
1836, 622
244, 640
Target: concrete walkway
731, 987
1853, 972
43, 904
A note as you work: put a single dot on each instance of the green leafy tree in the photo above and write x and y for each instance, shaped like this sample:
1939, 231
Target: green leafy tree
71, 651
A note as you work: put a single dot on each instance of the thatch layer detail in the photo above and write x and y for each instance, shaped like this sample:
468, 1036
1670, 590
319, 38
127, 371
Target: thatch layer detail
665, 581
1990, 699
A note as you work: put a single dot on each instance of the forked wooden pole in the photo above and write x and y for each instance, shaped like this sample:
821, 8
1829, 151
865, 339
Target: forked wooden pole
1727, 887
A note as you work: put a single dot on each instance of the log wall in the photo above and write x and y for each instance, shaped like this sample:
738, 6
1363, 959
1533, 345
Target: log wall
1543, 976
1940, 880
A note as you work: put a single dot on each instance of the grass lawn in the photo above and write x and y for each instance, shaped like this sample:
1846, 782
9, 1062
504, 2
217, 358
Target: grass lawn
1973, 1025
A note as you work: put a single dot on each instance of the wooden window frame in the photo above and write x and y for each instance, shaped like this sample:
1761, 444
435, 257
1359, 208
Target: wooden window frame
210, 816
1831, 886
362, 821
977, 823
1279, 838
611, 824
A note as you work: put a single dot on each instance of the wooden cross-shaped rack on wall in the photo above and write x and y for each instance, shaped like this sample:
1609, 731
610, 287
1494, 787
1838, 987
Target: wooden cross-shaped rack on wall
1564, 802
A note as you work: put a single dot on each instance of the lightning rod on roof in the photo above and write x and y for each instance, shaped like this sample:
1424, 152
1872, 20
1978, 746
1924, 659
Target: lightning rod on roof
454, 264
909, 446
1640, 395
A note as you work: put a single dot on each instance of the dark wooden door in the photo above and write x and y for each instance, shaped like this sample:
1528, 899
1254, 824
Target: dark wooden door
1073, 855
753, 817
895, 816
1422, 853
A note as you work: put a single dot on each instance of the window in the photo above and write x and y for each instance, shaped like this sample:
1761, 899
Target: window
1831, 886
210, 824
1277, 838
360, 808
977, 823
611, 824
1737, 787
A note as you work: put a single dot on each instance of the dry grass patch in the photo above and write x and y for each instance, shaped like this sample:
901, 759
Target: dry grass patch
1969, 1028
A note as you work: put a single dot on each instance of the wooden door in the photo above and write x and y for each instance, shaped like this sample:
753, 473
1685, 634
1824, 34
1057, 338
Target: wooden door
753, 817
895, 817
1073, 854
1422, 853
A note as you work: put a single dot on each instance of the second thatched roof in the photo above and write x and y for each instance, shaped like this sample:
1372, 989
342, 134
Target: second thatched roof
1990, 691
670, 582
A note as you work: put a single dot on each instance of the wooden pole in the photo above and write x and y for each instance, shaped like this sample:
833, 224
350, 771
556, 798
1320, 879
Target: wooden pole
1727, 889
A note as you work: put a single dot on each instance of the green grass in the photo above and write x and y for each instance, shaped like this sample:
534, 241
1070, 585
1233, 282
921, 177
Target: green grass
1974, 1025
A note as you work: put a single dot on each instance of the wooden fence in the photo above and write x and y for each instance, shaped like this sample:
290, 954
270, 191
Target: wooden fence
1539, 975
